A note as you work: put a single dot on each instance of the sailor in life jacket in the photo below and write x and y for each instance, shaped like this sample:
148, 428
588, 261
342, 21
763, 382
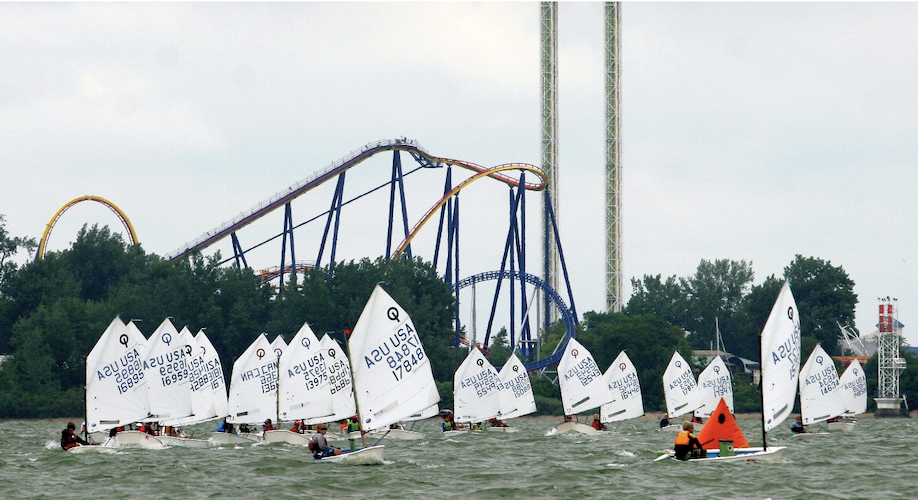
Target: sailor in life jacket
687, 445
448, 424
318, 445
599, 426
69, 439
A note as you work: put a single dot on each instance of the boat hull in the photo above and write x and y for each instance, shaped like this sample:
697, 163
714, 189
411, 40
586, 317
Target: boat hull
372, 455
576, 427
135, 439
772, 454
842, 426
288, 437
90, 449
503, 429
223, 438
184, 442
455, 432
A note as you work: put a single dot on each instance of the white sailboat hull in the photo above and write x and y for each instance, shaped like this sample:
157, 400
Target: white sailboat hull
503, 429
772, 454
842, 426
576, 427
91, 449
222, 438
135, 439
184, 442
455, 432
372, 455
288, 437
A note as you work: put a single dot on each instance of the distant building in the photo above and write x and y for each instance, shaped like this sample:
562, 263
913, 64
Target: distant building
745, 368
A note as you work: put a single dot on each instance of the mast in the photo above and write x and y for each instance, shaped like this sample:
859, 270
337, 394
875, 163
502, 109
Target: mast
762, 392
85, 398
350, 365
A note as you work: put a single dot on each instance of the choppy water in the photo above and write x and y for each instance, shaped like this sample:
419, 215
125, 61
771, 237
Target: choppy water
877, 460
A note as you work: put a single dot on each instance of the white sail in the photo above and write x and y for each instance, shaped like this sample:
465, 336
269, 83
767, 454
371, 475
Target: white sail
854, 386
622, 379
424, 414
202, 397
821, 394
116, 390
516, 399
253, 386
165, 367
476, 389
714, 383
582, 384
780, 359
278, 346
303, 380
680, 388
216, 381
391, 372
339, 380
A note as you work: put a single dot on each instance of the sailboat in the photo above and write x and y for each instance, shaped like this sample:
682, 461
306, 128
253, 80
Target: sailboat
821, 394
392, 378
253, 391
714, 384
202, 397
582, 386
780, 354
622, 379
303, 389
477, 389
516, 398
680, 390
216, 381
116, 390
854, 387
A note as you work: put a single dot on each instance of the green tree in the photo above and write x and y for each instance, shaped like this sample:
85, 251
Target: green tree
825, 295
9, 247
714, 293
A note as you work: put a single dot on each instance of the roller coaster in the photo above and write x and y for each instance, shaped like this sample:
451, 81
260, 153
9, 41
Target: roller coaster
445, 207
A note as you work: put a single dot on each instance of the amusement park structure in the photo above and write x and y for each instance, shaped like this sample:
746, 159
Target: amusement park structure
519, 178
890, 364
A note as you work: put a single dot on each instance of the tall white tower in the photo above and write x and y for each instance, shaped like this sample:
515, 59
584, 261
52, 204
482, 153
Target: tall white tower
550, 146
613, 158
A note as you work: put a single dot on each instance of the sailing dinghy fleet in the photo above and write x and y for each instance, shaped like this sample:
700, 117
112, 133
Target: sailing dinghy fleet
174, 379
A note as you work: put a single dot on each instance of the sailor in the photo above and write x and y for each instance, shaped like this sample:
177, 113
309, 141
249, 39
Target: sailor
687, 445
297, 427
351, 425
664, 422
319, 445
599, 426
69, 439
268, 426
797, 427
222, 427
448, 424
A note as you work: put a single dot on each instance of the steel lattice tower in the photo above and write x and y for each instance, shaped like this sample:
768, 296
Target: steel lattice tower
550, 145
889, 363
613, 159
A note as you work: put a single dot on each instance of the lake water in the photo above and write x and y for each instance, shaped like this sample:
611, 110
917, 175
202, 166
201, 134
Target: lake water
877, 460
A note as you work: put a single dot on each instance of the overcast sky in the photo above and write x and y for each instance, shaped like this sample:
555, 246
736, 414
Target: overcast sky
752, 131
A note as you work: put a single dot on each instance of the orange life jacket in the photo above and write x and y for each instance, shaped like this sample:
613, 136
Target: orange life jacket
683, 438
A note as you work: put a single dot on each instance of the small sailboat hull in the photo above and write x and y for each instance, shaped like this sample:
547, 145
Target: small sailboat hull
223, 438
183, 442
772, 454
842, 426
135, 439
86, 448
810, 434
503, 429
371, 455
288, 437
576, 427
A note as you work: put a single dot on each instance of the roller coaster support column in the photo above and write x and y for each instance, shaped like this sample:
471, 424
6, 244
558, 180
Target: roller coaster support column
446, 209
288, 230
567, 281
333, 212
238, 253
397, 182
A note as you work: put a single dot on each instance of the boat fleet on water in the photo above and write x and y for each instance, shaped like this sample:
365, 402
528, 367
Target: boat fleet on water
174, 379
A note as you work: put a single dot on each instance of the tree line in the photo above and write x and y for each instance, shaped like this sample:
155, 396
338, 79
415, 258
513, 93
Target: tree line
52, 312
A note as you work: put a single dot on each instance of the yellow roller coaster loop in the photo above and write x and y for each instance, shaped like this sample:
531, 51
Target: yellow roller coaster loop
489, 172
124, 220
